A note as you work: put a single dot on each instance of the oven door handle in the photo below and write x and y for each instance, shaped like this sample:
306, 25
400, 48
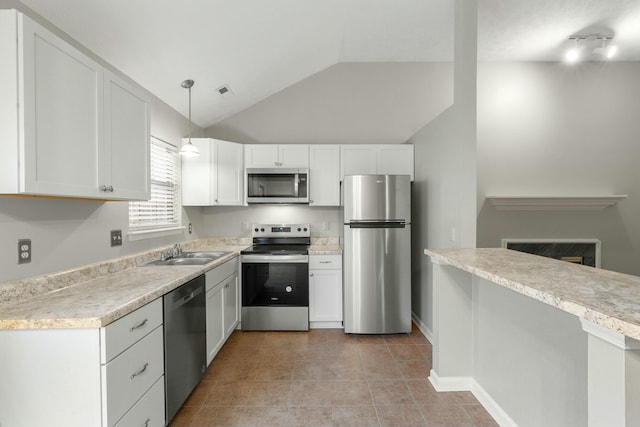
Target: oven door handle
275, 259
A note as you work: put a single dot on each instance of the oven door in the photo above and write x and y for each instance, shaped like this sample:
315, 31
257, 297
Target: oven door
275, 280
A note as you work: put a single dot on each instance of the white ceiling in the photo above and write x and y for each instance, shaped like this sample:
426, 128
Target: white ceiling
260, 47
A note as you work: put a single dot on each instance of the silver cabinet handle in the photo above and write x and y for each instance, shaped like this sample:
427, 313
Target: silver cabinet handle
141, 371
310, 274
325, 262
138, 326
146, 423
103, 188
110, 188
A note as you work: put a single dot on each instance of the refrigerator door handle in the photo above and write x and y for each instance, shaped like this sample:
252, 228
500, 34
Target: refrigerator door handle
377, 224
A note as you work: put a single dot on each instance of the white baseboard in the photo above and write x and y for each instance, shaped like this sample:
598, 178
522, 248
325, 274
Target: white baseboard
492, 407
325, 325
422, 327
450, 383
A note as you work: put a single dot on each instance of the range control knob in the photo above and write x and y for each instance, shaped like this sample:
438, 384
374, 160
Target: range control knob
255, 229
299, 229
262, 229
305, 229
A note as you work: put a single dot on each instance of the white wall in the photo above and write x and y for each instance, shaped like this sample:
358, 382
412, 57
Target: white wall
531, 358
348, 103
71, 233
444, 192
228, 221
552, 129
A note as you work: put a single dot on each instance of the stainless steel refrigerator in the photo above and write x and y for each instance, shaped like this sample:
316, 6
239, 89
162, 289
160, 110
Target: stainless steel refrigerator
377, 254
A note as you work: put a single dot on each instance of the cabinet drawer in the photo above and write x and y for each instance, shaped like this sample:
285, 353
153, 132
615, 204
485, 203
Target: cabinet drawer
124, 332
148, 411
132, 373
218, 274
325, 262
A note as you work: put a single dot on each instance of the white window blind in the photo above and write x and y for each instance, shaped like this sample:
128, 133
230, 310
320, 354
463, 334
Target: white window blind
163, 210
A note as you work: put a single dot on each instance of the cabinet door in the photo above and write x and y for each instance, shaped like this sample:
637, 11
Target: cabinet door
357, 160
293, 156
63, 111
396, 160
198, 179
126, 123
215, 321
231, 304
324, 175
261, 156
325, 295
229, 173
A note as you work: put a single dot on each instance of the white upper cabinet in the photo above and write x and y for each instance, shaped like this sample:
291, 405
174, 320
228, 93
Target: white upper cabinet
324, 175
55, 108
276, 156
215, 177
126, 124
391, 159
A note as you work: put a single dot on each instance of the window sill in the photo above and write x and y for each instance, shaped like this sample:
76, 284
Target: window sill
154, 232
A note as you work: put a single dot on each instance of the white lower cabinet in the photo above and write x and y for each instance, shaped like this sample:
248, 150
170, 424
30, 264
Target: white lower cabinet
325, 291
71, 377
223, 305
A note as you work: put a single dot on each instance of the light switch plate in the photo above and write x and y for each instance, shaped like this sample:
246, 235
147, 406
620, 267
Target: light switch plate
116, 237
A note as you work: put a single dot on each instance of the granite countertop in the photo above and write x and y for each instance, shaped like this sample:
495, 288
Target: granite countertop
324, 249
606, 298
100, 300
95, 295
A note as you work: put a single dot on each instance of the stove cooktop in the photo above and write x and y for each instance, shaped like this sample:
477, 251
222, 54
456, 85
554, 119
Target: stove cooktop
276, 250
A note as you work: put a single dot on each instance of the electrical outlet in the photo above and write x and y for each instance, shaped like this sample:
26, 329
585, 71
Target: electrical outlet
116, 237
190, 228
24, 251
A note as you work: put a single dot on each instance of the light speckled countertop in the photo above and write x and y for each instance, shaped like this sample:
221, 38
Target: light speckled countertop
95, 295
606, 298
102, 300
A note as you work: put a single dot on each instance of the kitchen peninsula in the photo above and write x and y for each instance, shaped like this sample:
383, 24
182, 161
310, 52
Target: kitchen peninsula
538, 341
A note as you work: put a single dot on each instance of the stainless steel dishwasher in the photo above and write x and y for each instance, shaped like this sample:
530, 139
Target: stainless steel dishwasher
185, 347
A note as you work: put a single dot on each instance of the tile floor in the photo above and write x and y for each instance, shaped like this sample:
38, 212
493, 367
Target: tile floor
325, 378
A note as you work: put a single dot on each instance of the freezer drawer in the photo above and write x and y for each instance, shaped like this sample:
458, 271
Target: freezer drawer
377, 280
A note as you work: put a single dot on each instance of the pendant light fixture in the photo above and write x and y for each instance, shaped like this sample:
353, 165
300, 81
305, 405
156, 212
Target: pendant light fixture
188, 149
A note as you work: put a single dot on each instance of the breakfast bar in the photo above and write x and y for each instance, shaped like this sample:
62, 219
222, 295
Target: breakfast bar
538, 341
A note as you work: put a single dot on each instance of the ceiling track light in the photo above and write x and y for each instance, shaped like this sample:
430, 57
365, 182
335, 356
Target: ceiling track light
188, 149
582, 45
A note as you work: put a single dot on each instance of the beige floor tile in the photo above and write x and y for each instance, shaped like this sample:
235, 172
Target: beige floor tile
211, 416
391, 392
265, 417
325, 378
437, 415
310, 416
269, 393
400, 416
480, 416
352, 416
407, 352
228, 394
414, 369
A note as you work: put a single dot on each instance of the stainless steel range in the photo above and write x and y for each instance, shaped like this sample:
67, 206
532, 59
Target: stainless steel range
275, 278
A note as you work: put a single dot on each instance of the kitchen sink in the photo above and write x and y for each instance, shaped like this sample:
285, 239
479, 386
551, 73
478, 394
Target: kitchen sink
212, 255
189, 258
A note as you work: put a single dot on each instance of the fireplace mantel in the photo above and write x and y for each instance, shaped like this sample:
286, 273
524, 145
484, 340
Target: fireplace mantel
554, 203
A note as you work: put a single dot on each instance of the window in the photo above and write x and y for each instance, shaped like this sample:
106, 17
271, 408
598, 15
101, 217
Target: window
162, 212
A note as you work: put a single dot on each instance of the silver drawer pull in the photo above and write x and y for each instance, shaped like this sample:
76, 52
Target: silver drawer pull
325, 262
141, 371
139, 325
146, 423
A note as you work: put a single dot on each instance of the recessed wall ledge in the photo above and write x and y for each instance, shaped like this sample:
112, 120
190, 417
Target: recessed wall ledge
554, 203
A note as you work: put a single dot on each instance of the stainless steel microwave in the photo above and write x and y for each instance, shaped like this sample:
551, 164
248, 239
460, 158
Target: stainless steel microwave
277, 185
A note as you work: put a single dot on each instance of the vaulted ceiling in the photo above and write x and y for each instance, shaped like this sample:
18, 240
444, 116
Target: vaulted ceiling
259, 48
